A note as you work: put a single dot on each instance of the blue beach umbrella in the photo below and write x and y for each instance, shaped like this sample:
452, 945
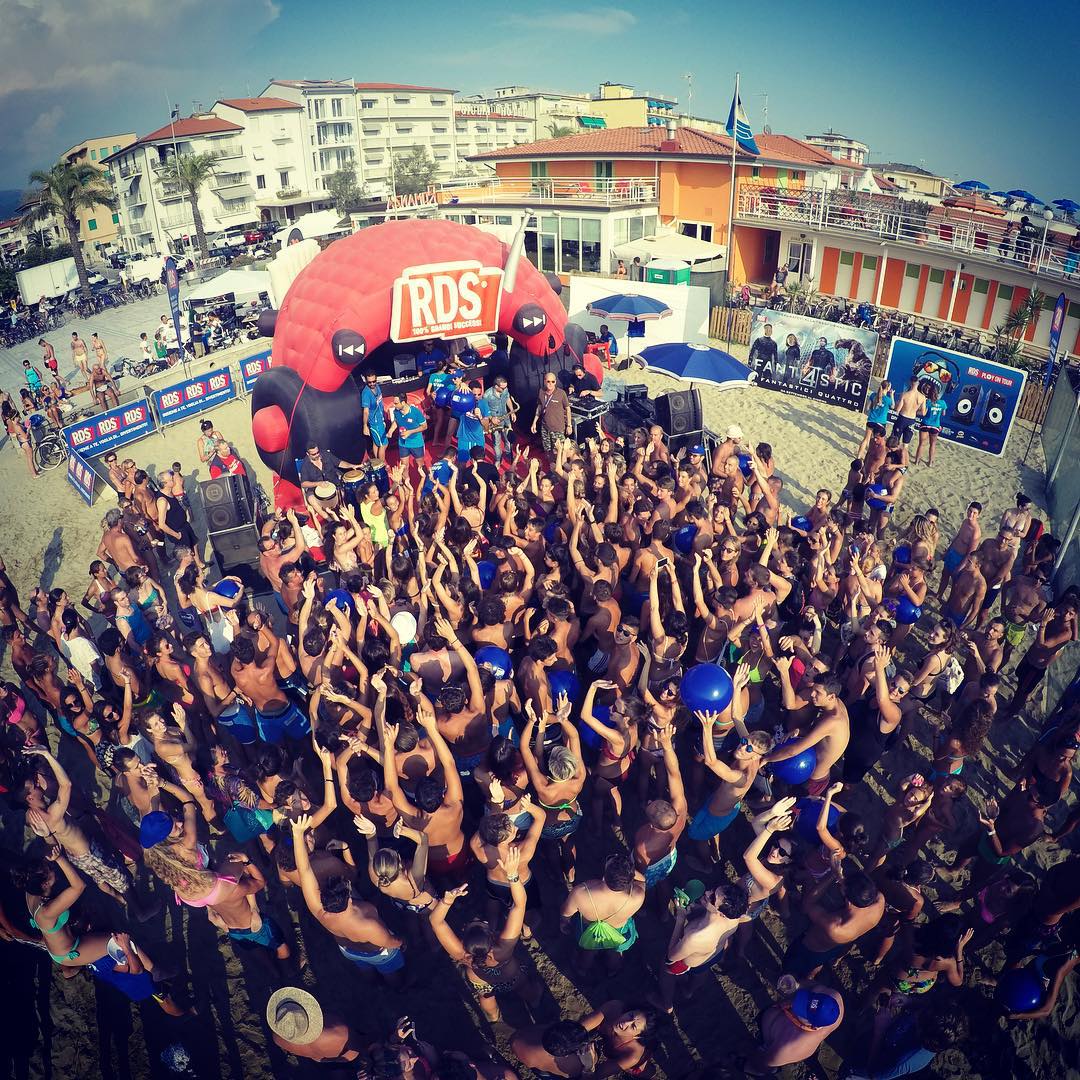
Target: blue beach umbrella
1026, 196
1067, 205
630, 307
692, 362
972, 185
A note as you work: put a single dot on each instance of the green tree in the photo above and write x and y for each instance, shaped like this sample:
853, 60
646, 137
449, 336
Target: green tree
63, 191
344, 189
1008, 336
559, 131
191, 172
414, 171
36, 254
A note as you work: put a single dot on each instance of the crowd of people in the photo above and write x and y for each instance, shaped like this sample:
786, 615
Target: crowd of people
599, 702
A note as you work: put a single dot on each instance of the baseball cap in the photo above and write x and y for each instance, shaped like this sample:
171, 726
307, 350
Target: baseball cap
154, 828
734, 432
698, 449
818, 1010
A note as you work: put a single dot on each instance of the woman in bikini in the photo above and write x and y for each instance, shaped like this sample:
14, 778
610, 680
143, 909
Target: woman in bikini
943, 641
19, 436
404, 883
618, 740
175, 745
148, 596
912, 802
923, 955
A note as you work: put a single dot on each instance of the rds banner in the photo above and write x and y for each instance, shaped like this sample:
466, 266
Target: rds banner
826, 361
981, 397
446, 300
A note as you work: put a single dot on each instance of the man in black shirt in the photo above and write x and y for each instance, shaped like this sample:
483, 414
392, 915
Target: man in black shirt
322, 467
582, 384
763, 349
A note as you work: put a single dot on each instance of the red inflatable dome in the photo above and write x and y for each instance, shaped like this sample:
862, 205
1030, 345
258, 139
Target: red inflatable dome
433, 278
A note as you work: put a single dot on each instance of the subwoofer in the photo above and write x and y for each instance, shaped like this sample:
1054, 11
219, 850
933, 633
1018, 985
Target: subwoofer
226, 502
679, 412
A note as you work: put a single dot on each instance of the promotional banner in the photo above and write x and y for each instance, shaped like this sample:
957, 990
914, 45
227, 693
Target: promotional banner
446, 300
172, 286
812, 358
1056, 324
193, 396
981, 396
253, 367
113, 428
81, 477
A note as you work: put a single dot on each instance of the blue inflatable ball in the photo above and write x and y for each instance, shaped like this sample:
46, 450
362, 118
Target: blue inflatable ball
802, 523
563, 681
706, 688
343, 599
809, 811
486, 571
797, 769
746, 466
907, 613
902, 555
876, 489
588, 736
1020, 990
497, 659
461, 403
551, 530
443, 395
229, 589
683, 539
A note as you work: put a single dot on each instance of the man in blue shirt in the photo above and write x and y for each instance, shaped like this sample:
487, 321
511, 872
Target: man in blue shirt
503, 412
409, 423
608, 338
371, 401
430, 356
472, 429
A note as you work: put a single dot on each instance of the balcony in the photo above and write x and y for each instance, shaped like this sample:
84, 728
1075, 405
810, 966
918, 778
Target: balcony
559, 190
178, 221
224, 180
126, 172
227, 149
334, 140
911, 223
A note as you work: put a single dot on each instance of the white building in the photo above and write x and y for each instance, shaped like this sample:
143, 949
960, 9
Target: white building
548, 109
840, 146
481, 126
367, 124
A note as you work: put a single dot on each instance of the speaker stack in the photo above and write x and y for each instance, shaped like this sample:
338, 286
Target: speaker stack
679, 414
230, 520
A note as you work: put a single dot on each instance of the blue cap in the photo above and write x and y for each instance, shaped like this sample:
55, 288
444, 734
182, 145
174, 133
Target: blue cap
699, 449
154, 828
817, 1010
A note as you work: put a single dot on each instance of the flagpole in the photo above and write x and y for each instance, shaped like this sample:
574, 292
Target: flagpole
731, 215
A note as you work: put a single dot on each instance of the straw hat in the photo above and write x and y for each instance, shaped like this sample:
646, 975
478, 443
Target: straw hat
295, 1015
325, 490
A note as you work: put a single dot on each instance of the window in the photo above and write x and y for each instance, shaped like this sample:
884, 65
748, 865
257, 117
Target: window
637, 228
1073, 310
403, 129
847, 258
482, 127
260, 183
335, 107
437, 101
367, 103
604, 170
869, 262
798, 174
116, 219
320, 108
116, 149
402, 99
621, 230
1005, 292
283, 178
981, 285
570, 248
912, 270
590, 245
503, 219
937, 277
439, 129
93, 155
697, 230
538, 170
92, 224
755, 172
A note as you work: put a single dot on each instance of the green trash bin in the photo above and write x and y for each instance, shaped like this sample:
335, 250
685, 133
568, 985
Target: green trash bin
668, 272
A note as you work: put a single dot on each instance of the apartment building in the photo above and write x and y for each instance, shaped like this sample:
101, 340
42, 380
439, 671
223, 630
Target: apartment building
480, 127
550, 110
912, 178
99, 227
367, 124
840, 146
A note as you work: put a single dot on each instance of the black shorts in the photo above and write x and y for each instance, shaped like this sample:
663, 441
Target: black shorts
875, 428
904, 426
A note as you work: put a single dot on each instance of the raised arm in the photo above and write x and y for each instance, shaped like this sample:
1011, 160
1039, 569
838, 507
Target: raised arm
425, 714
712, 762
446, 937
309, 884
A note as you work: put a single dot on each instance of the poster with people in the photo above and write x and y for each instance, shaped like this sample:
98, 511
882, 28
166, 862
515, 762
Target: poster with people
980, 396
826, 361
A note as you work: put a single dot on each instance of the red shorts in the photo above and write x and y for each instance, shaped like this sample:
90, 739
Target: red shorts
677, 967
817, 787
453, 867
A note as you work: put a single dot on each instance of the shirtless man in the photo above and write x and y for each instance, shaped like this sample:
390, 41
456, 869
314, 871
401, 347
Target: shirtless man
698, 939
253, 673
462, 717
304, 1029
79, 356
966, 540
436, 664
910, 408
1057, 628
355, 925
655, 850
996, 557
833, 930
1022, 603
968, 593
118, 665
986, 649
601, 627
273, 555
830, 731
116, 545
228, 708
48, 356
437, 807
735, 781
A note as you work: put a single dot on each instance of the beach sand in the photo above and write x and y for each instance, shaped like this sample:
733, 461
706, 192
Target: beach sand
74, 1029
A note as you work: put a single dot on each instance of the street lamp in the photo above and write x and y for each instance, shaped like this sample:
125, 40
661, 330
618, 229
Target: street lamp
1048, 215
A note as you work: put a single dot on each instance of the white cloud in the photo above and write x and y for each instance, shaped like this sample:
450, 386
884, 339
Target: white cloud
39, 134
595, 22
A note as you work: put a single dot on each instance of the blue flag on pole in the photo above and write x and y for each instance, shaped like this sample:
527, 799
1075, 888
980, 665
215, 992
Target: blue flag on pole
738, 127
172, 287
1056, 323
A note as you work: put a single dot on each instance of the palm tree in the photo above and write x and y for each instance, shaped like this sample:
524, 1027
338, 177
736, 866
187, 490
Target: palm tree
558, 131
191, 172
1008, 335
62, 192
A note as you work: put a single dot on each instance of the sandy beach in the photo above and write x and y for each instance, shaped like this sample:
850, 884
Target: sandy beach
75, 1029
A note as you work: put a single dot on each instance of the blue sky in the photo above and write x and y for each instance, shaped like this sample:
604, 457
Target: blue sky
986, 91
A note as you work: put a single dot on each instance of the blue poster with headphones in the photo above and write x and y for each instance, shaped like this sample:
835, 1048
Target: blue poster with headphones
981, 397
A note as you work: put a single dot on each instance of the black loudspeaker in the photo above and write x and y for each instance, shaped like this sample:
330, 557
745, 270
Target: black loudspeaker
236, 547
679, 413
226, 502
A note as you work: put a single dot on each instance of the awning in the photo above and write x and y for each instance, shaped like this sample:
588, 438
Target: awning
244, 284
671, 246
235, 191
312, 226
592, 121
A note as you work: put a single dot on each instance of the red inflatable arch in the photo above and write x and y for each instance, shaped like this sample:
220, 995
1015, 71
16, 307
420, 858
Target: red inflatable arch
338, 311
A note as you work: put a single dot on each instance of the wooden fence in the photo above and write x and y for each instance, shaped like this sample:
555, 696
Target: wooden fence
739, 320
